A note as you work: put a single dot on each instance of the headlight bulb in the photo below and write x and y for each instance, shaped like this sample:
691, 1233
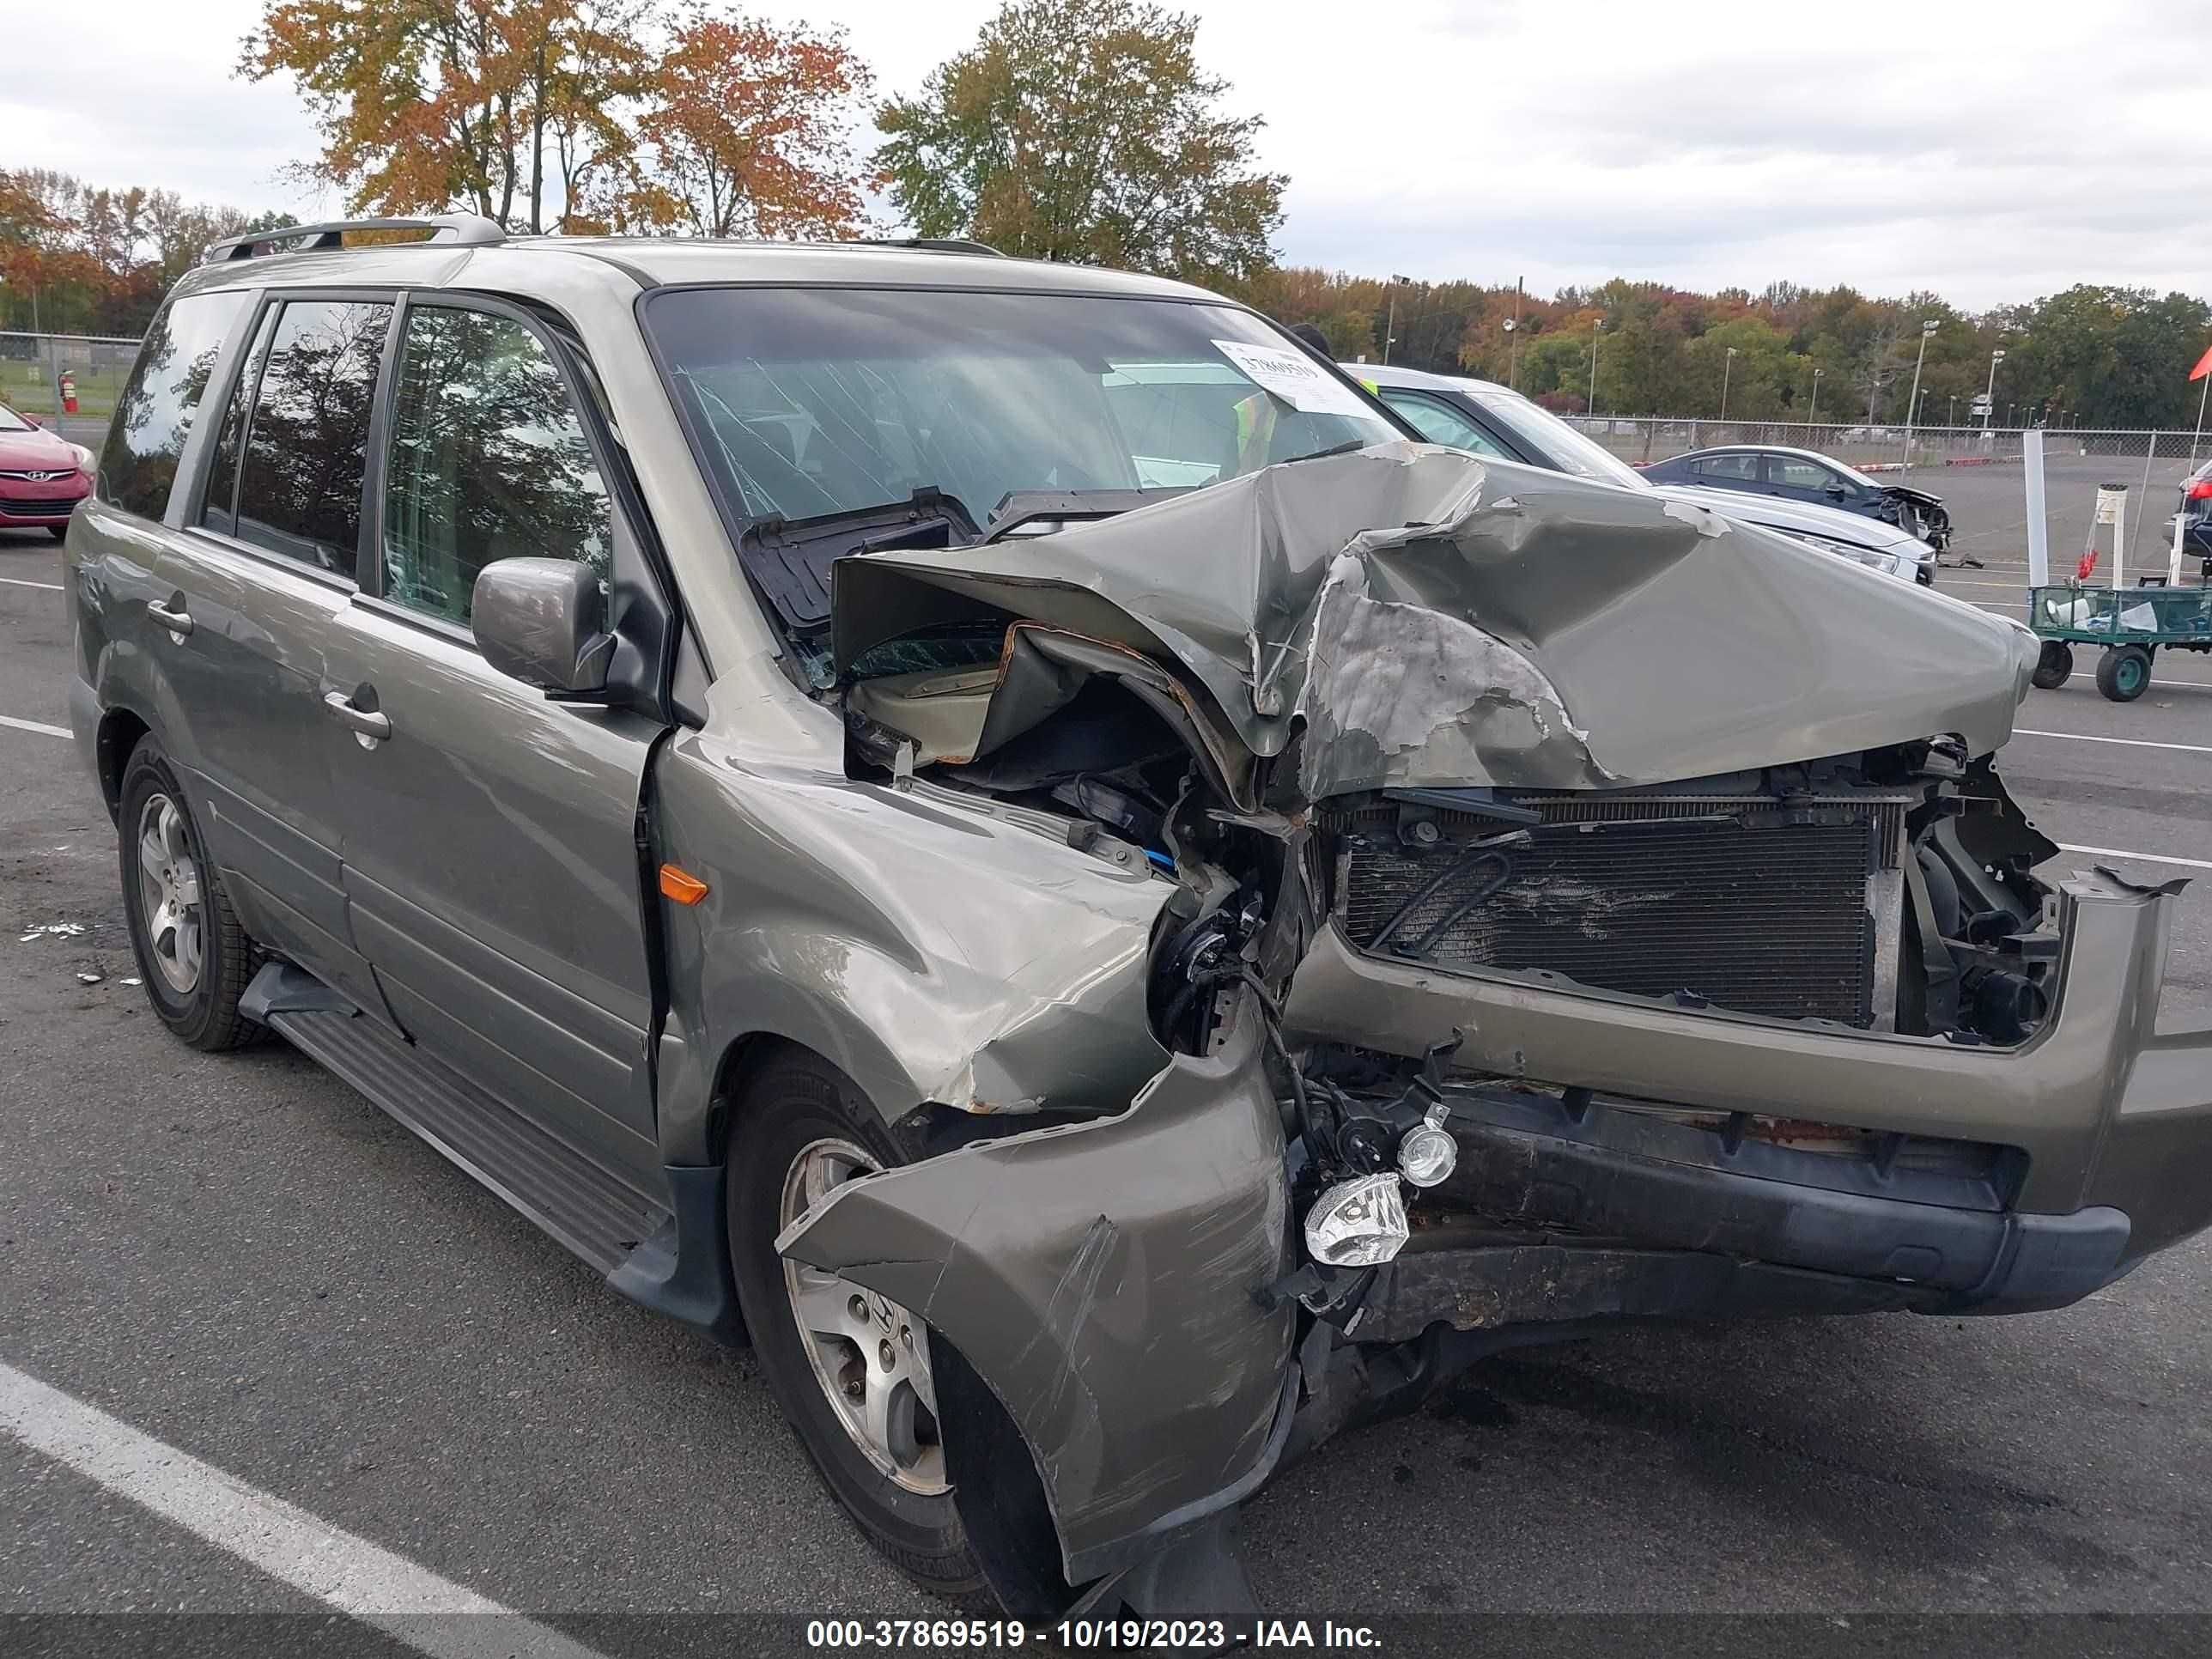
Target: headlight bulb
1426, 1153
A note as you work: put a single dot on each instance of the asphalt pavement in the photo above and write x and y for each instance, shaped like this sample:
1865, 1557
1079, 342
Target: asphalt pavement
240, 1258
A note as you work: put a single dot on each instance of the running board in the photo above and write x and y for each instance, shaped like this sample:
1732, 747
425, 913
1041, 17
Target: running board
595, 1214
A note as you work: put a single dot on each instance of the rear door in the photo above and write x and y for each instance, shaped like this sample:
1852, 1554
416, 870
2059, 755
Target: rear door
1729, 470
491, 853
261, 571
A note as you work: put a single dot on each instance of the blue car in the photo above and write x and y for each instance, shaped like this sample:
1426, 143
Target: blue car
1805, 475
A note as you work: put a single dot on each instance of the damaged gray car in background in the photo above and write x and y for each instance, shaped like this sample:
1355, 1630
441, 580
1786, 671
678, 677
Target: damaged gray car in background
1190, 916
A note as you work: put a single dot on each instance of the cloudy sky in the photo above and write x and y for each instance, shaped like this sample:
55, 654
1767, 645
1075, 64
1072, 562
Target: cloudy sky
1992, 152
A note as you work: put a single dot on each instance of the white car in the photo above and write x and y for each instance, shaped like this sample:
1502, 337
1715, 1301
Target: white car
1494, 420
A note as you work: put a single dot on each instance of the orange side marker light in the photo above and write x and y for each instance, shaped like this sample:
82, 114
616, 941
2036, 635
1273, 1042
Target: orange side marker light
681, 885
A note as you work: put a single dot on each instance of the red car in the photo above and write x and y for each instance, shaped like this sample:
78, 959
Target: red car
41, 477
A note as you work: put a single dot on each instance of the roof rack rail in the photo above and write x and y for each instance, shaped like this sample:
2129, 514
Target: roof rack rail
934, 245
454, 229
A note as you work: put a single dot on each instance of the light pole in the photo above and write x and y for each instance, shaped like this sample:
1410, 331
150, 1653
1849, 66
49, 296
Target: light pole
1952, 419
1596, 329
1813, 414
1912, 399
1390, 328
1512, 356
1989, 392
1728, 367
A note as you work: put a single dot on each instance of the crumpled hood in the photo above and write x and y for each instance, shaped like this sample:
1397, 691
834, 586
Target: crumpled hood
1433, 619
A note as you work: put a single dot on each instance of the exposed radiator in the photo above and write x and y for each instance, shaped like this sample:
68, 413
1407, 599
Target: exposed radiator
1785, 908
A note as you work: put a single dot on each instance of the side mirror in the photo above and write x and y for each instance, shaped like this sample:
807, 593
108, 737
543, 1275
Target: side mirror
544, 620
1835, 492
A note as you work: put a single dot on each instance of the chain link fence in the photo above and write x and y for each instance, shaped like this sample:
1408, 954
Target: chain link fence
1640, 441
40, 374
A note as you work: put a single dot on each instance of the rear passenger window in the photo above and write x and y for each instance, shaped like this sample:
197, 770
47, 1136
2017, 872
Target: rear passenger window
305, 453
487, 460
221, 512
154, 416
1741, 469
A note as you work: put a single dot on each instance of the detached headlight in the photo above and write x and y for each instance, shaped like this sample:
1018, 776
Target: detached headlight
1360, 1222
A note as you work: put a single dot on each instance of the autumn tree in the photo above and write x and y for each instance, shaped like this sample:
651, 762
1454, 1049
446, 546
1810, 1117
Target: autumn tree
749, 128
1086, 130
423, 104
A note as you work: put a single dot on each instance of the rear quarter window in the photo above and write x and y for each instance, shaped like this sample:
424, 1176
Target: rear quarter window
154, 416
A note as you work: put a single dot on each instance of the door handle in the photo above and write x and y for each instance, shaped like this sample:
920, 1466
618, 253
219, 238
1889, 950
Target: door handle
177, 621
362, 722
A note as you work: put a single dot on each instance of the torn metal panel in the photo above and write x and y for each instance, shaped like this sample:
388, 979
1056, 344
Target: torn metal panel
1100, 1278
1577, 634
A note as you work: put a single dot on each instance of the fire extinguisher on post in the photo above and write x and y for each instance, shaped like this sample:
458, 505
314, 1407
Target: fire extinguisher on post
69, 392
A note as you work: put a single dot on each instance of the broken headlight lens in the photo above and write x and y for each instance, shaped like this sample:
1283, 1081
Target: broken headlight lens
1357, 1224
1427, 1154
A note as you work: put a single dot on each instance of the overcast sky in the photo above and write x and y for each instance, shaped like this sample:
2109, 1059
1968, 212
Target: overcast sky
1992, 152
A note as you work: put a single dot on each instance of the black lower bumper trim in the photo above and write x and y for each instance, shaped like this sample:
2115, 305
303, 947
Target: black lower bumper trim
1660, 1185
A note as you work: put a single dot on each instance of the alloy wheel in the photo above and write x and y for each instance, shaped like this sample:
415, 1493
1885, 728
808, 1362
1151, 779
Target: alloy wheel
169, 899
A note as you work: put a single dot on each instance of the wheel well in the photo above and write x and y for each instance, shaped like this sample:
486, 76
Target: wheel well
120, 731
741, 1061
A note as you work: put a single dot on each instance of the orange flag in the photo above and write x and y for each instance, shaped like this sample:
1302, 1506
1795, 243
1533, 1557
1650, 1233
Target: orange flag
2203, 366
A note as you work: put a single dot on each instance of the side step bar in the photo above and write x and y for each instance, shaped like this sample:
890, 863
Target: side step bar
594, 1212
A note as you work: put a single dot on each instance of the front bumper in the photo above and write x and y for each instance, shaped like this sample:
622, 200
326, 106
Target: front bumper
25, 505
2106, 1114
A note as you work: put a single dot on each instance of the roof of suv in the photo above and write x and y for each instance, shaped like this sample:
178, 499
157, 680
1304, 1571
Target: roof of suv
653, 261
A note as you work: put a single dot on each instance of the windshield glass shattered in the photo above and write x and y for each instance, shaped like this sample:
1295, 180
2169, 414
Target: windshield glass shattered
809, 402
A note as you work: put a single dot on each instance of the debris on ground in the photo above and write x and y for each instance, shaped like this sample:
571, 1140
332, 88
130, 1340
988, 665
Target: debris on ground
44, 929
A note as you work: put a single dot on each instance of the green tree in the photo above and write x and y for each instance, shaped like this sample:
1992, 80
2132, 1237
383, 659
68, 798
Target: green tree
1086, 130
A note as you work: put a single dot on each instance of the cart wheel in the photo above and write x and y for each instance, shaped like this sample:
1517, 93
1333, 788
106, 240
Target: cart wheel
2053, 666
2123, 673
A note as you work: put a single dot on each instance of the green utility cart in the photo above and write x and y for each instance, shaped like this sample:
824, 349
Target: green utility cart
2130, 623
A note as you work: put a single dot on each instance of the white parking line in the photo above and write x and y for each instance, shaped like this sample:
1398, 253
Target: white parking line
2132, 743
17, 582
2146, 858
347, 1573
35, 726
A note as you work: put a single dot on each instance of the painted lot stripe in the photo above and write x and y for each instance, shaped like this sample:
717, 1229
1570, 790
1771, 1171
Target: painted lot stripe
2146, 858
17, 582
346, 1573
35, 726
2131, 743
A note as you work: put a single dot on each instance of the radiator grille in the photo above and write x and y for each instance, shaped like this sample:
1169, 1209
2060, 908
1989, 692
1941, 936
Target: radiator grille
1746, 903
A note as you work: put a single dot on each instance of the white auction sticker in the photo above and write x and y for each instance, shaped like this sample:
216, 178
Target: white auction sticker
1295, 378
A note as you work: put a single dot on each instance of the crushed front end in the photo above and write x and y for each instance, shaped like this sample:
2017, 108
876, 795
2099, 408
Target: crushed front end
1573, 906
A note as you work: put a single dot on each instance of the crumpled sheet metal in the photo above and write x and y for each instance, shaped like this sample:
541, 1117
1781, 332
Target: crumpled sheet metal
1577, 635
1100, 1278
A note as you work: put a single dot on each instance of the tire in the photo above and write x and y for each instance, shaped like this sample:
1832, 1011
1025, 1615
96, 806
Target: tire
2123, 673
793, 1106
2054, 666
58, 531
202, 1008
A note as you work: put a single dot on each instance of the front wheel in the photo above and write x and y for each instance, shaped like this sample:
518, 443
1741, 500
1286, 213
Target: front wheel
58, 531
2054, 668
851, 1369
2123, 673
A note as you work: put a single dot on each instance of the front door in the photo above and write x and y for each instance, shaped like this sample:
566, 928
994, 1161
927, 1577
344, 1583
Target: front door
490, 850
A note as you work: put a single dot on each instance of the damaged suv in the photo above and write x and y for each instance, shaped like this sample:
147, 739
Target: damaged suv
1009, 836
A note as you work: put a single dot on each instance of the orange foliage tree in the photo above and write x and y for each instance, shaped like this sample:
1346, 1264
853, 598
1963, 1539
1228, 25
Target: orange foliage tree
572, 115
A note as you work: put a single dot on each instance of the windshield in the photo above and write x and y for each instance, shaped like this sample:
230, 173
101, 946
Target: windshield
1551, 436
11, 422
807, 402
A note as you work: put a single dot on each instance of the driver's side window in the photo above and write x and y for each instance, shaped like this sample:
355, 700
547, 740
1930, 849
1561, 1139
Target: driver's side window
1439, 422
487, 460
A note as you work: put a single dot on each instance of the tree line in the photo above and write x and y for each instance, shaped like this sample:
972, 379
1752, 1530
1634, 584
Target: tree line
2092, 355
1082, 131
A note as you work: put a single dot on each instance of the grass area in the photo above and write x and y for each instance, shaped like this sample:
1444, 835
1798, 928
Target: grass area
24, 387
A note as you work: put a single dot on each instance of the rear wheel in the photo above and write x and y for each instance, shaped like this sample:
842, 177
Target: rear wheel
193, 957
2054, 668
2123, 673
850, 1368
